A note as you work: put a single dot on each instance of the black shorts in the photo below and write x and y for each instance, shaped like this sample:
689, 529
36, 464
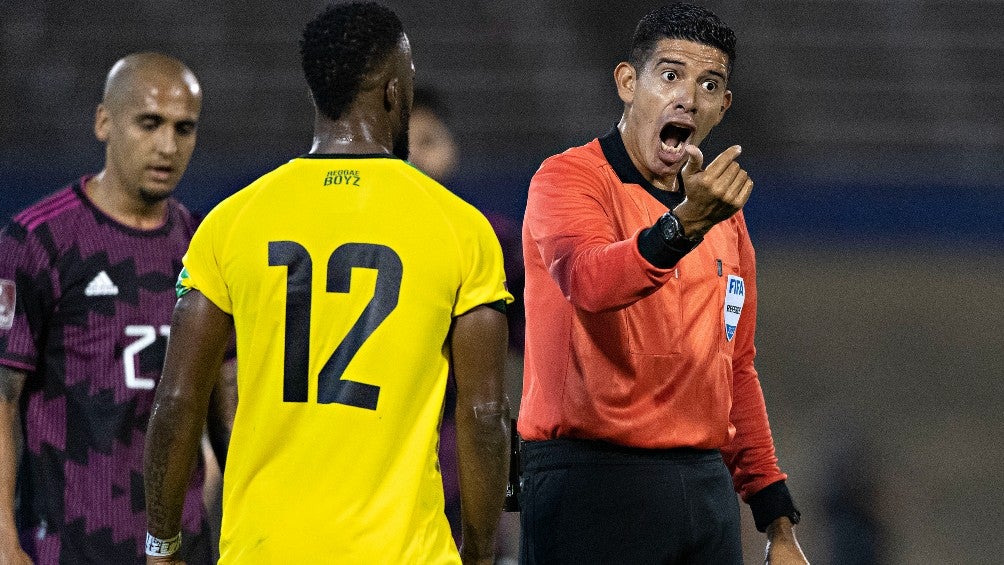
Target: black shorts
592, 502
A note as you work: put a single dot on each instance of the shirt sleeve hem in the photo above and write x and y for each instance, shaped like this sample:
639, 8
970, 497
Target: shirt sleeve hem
771, 503
501, 305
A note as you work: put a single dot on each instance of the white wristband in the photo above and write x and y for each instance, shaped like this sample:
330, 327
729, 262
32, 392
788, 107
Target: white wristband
162, 547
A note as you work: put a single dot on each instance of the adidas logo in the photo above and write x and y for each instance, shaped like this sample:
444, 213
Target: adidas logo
101, 285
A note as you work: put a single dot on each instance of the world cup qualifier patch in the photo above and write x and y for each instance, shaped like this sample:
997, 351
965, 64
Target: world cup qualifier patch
735, 296
8, 298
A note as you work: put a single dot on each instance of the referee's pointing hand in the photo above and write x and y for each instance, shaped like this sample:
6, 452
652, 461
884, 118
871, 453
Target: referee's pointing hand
713, 194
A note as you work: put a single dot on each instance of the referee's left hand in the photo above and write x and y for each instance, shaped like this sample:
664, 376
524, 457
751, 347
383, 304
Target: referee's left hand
782, 546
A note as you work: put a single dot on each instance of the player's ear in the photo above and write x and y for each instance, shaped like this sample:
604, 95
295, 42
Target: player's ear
102, 123
392, 95
625, 79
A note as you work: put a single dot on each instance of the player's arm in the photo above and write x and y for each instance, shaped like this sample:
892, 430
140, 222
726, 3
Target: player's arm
479, 339
222, 408
11, 385
200, 332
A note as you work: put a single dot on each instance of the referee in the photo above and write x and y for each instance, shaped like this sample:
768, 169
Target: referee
642, 412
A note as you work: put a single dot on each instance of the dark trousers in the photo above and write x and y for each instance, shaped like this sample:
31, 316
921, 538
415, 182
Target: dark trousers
589, 502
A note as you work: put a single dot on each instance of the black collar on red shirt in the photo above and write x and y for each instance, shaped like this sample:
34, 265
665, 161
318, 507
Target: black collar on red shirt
617, 155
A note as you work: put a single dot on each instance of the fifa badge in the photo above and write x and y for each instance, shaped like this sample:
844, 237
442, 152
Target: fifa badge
735, 296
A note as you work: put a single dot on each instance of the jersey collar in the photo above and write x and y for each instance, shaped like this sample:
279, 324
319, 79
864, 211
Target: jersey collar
102, 218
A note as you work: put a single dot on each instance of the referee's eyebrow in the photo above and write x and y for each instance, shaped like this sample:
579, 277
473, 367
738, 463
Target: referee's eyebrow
683, 64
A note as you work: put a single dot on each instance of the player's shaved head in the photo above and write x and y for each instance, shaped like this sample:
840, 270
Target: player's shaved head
144, 68
147, 120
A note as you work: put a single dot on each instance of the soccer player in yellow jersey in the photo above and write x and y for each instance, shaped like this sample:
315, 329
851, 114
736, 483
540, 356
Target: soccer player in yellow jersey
354, 282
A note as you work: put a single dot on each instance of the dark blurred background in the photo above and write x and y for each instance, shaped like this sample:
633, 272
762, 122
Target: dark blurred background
873, 130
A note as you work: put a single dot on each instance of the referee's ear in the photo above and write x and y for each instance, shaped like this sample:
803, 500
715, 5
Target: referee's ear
625, 77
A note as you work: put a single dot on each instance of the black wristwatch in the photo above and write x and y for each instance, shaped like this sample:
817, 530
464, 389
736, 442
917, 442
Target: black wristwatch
672, 233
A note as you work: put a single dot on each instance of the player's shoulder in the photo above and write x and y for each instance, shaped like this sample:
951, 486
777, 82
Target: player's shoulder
57, 207
292, 172
188, 219
456, 209
583, 165
232, 205
51, 221
739, 222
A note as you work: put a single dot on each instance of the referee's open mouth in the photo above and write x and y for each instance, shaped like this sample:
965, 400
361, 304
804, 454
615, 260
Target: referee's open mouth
674, 137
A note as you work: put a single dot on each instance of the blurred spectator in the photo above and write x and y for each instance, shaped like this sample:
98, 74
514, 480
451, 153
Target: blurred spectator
431, 146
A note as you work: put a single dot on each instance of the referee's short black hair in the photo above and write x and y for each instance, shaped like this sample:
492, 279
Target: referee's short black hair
340, 46
681, 21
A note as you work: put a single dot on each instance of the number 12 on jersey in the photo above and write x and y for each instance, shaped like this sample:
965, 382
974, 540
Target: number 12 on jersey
331, 387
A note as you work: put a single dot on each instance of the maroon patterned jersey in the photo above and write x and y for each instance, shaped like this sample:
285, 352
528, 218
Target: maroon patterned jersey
89, 328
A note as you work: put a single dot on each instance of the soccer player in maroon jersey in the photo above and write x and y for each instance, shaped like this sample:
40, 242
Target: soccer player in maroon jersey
88, 289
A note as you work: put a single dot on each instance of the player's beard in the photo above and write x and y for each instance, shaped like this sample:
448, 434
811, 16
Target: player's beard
400, 148
150, 197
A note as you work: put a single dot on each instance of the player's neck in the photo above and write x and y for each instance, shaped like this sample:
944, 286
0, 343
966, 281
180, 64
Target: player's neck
112, 198
351, 135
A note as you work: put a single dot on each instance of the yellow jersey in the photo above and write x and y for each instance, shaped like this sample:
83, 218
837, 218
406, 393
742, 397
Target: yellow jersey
343, 274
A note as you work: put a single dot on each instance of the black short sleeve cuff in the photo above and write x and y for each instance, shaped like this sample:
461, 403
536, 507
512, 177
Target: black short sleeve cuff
771, 503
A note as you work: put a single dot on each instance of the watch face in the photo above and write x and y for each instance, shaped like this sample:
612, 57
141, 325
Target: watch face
670, 229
